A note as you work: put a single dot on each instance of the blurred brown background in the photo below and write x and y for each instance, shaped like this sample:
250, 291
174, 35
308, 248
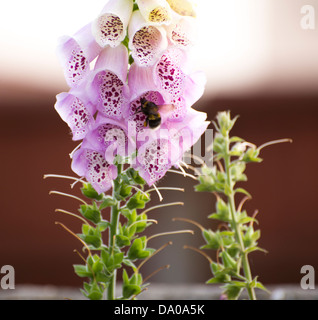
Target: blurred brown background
272, 84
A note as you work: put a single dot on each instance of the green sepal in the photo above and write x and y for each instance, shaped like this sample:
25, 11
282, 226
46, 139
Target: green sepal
82, 271
250, 237
137, 201
93, 240
122, 241
232, 291
222, 211
130, 290
251, 155
108, 201
225, 123
112, 261
228, 261
102, 225
95, 294
89, 192
213, 239
134, 177
130, 264
241, 190
91, 212
137, 251
237, 172
123, 192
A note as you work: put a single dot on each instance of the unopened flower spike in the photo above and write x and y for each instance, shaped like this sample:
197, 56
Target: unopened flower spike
231, 154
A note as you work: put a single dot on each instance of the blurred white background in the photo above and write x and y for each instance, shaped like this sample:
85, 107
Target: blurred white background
243, 45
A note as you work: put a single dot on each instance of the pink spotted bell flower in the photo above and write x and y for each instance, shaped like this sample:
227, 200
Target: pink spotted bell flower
109, 77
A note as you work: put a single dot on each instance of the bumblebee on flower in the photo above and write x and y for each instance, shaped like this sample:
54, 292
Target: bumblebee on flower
129, 69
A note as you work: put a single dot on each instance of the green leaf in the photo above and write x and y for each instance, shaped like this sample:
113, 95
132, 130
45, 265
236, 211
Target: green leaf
89, 192
237, 171
129, 263
228, 261
125, 191
108, 201
130, 290
136, 251
135, 177
259, 285
137, 201
241, 190
236, 139
91, 212
213, 239
135, 248
252, 249
125, 277
82, 271
245, 220
95, 295
222, 211
118, 257
97, 266
232, 291
251, 155
122, 241
93, 240
103, 225
227, 190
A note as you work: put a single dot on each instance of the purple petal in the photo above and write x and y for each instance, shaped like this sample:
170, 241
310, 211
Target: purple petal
153, 160
75, 54
111, 25
184, 134
73, 61
114, 60
110, 138
194, 87
166, 147
76, 111
169, 73
182, 33
147, 42
92, 165
141, 80
110, 94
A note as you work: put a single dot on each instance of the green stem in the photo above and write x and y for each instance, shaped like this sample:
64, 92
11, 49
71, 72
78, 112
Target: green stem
235, 225
114, 219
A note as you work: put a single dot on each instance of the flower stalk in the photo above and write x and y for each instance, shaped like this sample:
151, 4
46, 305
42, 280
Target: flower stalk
113, 230
236, 237
234, 223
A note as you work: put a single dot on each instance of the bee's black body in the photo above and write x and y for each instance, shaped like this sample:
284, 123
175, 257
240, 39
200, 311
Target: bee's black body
150, 110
